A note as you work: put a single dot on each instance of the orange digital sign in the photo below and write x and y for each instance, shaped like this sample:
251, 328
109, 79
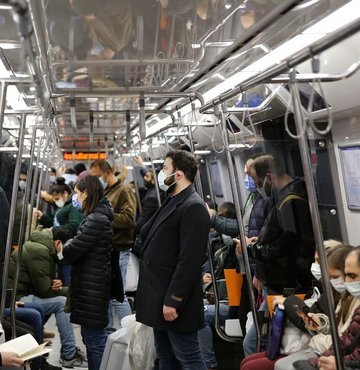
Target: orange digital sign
68, 156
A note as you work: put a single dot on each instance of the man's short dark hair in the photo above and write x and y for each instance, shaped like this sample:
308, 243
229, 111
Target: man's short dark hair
62, 234
266, 164
185, 162
103, 165
80, 167
227, 210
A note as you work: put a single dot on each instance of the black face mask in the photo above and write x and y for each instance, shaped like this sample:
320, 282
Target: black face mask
148, 184
267, 186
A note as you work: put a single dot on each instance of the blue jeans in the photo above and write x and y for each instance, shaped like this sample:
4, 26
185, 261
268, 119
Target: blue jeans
56, 306
206, 335
249, 343
116, 308
178, 350
94, 340
33, 315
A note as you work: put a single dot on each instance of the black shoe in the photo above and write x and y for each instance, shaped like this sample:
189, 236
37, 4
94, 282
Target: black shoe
46, 366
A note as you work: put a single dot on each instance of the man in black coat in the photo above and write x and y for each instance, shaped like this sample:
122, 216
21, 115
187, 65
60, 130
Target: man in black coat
169, 295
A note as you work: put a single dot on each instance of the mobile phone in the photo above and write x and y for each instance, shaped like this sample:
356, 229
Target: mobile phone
306, 317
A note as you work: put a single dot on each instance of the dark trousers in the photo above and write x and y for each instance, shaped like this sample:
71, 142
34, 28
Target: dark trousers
94, 340
178, 350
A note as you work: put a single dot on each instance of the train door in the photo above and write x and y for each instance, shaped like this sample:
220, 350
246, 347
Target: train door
278, 143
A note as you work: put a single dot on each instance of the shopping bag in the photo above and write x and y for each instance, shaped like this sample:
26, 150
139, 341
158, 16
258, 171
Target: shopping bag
142, 352
132, 274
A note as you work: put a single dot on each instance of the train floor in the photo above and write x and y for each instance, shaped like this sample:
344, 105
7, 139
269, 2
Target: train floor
228, 355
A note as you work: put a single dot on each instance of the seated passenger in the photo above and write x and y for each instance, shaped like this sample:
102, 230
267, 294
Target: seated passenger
38, 283
320, 338
350, 339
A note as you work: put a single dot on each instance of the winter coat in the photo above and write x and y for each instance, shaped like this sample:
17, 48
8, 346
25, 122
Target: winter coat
90, 255
174, 244
149, 207
68, 217
285, 248
259, 212
39, 267
349, 341
123, 224
260, 209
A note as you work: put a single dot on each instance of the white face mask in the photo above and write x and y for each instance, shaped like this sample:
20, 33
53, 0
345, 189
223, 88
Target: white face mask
338, 284
103, 182
162, 176
60, 256
60, 203
22, 185
53, 179
315, 270
353, 288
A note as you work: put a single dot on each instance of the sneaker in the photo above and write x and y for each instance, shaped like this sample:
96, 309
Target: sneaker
46, 366
76, 361
48, 334
80, 353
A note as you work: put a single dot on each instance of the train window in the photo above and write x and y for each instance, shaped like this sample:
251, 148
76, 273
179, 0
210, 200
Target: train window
350, 158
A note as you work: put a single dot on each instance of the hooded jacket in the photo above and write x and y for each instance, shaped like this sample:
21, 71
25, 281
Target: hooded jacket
123, 223
39, 266
90, 254
285, 248
68, 217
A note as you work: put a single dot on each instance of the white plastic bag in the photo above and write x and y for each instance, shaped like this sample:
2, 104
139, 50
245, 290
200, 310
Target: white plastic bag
142, 351
132, 274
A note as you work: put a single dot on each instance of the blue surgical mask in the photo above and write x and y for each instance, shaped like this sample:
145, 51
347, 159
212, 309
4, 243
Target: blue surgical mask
250, 184
353, 288
338, 285
76, 202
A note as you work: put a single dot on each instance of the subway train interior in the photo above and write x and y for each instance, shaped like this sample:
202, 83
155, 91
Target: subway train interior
229, 81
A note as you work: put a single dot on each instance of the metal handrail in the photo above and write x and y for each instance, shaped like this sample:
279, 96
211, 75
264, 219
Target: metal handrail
300, 57
235, 191
11, 225
316, 223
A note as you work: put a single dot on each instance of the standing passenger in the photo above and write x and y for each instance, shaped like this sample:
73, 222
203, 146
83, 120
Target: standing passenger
123, 225
169, 296
90, 254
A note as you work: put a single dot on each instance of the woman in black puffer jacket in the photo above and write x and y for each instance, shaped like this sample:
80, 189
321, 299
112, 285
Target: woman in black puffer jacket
90, 254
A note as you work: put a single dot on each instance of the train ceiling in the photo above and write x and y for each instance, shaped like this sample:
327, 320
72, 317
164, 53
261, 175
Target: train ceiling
97, 58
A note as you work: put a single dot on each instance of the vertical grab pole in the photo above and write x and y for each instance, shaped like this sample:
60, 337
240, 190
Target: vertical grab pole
11, 225
208, 174
25, 205
239, 218
33, 189
3, 90
216, 293
315, 217
154, 174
